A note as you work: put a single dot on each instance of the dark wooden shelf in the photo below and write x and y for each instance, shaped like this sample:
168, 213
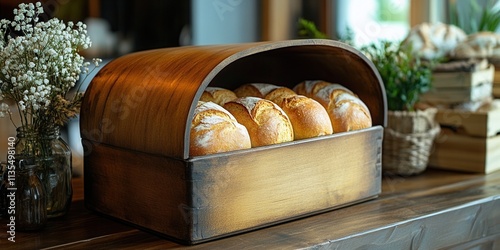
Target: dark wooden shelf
438, 209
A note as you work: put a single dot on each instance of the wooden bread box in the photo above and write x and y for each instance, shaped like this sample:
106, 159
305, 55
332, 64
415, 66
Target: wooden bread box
135, 124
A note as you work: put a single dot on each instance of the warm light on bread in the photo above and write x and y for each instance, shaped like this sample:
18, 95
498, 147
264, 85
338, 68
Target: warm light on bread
265, 121
309, 119
267, 91
347, 112
217, 95
215, 130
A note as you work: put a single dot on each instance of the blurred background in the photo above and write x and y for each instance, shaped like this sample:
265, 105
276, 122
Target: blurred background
118, 27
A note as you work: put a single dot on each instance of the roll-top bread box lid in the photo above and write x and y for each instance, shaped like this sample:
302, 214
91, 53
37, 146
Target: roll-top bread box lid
135, 126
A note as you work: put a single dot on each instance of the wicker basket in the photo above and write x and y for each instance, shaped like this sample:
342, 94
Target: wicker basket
408, 140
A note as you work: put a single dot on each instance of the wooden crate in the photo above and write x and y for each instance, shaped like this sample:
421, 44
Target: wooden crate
460, 87
135, 122
496, 90
469, 141
455, 151
479, 123
496, 82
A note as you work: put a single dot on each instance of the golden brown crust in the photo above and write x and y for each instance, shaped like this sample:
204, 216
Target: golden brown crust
265, 121
215, 130
246, 90
267, 91
310, 88
217, 95
347, 112
309, 119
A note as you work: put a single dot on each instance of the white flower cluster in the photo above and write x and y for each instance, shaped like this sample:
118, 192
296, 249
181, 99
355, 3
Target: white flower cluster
39, 60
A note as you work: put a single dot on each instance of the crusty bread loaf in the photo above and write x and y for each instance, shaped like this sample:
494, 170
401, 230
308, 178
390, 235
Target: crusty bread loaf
433, 40
217, 95
215, 130
324, 95
309, 119
347, 112
483, 44
309, 88
265, 121
267, 91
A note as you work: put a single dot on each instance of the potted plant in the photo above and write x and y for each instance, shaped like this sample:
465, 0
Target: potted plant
476, 16
410, 132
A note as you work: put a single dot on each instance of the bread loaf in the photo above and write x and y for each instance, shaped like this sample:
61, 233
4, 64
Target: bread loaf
267, 91
346, 111
433, 40
309, 119
265, 121
215, 130
217, 95
478, 45
310, 88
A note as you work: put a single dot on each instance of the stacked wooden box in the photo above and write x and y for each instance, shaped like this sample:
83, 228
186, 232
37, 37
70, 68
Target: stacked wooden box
469, 141
451, 88
470, 121
496, 82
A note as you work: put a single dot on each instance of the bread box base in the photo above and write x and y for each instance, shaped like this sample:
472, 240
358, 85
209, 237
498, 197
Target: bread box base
205, 198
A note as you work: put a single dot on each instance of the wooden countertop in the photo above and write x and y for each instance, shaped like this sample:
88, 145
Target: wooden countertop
434, 210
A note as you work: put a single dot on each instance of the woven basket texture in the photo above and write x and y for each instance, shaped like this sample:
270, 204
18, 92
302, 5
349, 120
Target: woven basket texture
408, 141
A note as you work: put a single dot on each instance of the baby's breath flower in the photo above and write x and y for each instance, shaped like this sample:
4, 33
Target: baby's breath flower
4, 109
39, 67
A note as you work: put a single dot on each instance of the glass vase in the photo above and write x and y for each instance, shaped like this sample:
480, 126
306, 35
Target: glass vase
55, 159
31, 202
53, 156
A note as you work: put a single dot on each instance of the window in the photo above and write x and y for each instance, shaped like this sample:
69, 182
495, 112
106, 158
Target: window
363, 21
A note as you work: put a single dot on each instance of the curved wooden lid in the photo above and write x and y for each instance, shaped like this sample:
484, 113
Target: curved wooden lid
145, 101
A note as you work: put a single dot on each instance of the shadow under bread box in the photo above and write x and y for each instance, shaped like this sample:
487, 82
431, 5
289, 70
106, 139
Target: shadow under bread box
135, 125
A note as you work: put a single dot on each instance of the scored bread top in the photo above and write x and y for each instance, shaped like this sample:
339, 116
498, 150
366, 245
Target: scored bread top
324, 95
345, 97
215, 130
205, 110
265, 121
217, 95
264, 90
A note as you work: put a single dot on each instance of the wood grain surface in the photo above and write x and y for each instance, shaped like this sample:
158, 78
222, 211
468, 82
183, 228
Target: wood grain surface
438, 209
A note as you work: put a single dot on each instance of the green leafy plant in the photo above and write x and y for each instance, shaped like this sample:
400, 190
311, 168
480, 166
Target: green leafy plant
308, 29
405, 76
475, 17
